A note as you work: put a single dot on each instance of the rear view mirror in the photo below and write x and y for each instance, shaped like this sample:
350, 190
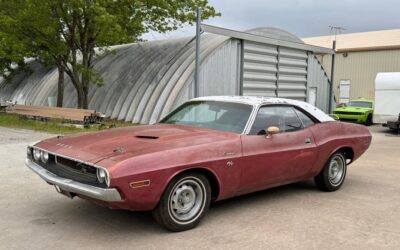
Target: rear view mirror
271, 131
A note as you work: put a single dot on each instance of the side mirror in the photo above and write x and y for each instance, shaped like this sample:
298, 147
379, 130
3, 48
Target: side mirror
271, 131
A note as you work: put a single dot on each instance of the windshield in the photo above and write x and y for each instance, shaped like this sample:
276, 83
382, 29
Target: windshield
359, 104
224, 116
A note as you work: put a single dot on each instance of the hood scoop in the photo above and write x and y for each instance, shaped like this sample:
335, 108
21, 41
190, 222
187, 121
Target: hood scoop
147, 137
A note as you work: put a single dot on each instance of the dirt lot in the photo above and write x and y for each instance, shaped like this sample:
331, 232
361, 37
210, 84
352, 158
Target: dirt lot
364, 214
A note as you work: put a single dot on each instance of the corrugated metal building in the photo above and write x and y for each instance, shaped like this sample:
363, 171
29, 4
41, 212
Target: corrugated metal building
145, 81
359, 57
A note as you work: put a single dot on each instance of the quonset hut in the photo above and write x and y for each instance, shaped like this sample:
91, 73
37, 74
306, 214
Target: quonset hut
144, 81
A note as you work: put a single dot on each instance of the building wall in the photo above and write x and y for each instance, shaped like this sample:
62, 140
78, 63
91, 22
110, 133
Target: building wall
219, 74
319, 80
361, 69
145, 81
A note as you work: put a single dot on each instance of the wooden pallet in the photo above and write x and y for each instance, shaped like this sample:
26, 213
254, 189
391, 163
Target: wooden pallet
82, 116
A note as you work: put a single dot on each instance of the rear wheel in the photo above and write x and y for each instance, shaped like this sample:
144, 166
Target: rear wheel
333, 174
184, 203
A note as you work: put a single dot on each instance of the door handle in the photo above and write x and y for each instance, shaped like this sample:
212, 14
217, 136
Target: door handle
307, 141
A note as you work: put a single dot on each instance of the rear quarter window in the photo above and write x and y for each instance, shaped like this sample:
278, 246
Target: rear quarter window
305, 119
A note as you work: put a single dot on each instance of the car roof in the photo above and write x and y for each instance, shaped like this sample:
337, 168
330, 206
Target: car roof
262, 100
251, 100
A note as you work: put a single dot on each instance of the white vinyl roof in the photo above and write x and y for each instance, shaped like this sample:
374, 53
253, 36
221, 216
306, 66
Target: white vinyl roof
261, 100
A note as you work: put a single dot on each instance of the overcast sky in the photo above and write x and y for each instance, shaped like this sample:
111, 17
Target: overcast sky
303, 18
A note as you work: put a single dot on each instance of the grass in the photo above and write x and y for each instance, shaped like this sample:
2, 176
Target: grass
54, 126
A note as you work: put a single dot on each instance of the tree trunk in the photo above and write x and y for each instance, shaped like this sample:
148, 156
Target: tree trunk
80, 96
60, 90
85, 102
85, 81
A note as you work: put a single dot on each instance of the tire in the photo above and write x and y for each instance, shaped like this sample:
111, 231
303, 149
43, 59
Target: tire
184, 203
332, 176
368, 122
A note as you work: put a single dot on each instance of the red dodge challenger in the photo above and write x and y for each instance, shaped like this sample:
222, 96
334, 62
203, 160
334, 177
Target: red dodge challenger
208, 149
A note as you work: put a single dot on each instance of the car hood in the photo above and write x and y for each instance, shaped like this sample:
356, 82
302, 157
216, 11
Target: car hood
353, 109
129, 142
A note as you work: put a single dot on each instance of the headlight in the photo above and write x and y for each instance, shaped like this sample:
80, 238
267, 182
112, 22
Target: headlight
102, 176
36, 154
44, 156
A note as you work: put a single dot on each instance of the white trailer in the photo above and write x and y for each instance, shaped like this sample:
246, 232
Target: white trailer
387, 97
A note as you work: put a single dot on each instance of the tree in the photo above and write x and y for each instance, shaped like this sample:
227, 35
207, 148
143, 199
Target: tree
67, 32
27, 32
12, 51
12, 55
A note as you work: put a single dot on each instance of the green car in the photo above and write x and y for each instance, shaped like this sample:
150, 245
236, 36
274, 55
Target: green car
360, 111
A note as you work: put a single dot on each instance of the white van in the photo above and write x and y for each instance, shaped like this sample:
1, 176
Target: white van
387, 97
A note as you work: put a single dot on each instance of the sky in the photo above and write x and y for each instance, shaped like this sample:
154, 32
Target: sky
304, 18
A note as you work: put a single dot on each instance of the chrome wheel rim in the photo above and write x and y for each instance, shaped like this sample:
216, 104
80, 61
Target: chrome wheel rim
336, 170
187, 200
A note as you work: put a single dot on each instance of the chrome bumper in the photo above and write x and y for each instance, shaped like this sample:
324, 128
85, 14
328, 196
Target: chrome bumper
103, 194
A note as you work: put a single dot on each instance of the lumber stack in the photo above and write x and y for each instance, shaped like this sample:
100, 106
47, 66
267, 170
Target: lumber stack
81, 116
4, 106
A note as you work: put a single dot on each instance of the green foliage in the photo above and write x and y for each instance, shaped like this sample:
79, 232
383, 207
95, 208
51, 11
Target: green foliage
66, 32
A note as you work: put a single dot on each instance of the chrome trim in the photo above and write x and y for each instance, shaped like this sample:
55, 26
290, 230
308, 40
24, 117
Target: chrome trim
77, 160
229, 153
251, 120
103, 194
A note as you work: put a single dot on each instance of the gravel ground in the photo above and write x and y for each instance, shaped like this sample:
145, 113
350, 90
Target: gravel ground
363, 214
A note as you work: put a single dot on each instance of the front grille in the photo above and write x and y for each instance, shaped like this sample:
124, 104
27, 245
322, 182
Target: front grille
73, 170
347, 113
74, 166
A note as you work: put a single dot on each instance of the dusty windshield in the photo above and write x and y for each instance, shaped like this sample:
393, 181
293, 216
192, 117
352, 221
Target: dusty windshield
359, 104
224, 116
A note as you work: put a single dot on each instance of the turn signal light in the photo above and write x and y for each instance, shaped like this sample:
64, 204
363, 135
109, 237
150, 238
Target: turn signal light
139, 184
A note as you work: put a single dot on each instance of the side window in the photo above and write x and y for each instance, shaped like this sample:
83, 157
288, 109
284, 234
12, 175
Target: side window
307, 122
266, 117
289, 120
283, 117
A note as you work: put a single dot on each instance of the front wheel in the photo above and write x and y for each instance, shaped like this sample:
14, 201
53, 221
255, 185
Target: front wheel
368, 122
184, 203
333, 174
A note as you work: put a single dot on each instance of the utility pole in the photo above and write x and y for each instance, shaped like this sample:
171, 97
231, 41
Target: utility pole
197, 59
337, 30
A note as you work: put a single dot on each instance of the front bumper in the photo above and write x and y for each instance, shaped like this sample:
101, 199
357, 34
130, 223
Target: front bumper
393, 125
102, 194
352, 118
